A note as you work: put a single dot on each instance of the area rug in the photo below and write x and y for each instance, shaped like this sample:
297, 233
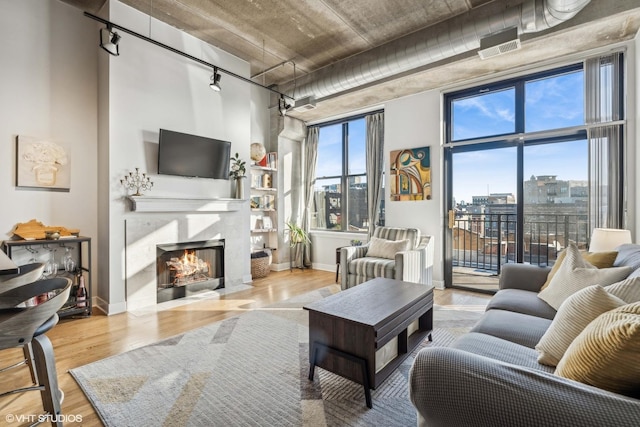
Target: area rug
249, 370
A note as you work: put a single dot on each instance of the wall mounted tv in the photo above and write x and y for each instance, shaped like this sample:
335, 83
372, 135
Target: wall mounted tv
195, 156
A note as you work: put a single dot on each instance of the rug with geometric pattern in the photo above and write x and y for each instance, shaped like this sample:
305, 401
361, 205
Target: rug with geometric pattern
249, 370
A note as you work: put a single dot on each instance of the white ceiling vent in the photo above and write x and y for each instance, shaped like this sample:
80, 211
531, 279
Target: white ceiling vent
499, 43
305, 104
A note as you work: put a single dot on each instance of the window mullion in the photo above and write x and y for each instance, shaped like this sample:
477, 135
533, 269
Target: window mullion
520, 107
344, 211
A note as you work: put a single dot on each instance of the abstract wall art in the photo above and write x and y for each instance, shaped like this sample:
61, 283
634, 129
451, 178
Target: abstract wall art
42, 164
410, 174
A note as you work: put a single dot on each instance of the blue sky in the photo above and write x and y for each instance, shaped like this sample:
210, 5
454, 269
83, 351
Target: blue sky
550, 103
331, 143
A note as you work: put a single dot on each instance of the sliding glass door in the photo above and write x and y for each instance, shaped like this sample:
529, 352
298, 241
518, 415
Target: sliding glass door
516, 175
482, 227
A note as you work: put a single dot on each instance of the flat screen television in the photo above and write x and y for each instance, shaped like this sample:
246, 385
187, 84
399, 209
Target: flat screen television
194, 156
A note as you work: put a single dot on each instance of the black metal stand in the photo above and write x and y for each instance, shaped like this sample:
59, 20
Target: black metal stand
360, 361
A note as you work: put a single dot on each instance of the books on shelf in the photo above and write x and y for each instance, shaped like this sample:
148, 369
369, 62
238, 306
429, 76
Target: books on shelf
261, 181
266, 223
270, 160
256, 181
267, 201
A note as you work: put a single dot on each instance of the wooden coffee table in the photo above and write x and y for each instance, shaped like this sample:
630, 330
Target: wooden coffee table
347, 329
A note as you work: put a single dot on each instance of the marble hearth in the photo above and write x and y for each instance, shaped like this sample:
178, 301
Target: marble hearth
145, 231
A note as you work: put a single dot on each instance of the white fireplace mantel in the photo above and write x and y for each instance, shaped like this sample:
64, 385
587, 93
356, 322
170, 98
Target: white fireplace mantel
183, 204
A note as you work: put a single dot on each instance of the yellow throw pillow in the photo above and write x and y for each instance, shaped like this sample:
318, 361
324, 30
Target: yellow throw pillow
573, 316
597, 259
575, 274
607, 353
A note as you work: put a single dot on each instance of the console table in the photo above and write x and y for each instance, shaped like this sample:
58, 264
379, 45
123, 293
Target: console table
22, 251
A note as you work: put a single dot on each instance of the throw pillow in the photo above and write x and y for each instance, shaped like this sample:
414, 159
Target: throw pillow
605, 354
574, 274
597, 259
627, 290
573, 316
382, 248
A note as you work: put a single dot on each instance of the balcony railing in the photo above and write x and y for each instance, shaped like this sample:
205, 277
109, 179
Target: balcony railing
489, 241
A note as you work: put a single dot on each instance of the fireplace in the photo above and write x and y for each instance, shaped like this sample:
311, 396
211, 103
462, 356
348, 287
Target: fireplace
183, 269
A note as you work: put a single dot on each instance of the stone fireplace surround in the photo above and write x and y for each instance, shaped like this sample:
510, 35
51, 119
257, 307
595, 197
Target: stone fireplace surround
166, 221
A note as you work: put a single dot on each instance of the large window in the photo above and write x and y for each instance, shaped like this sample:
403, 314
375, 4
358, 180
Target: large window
340, 190
520, 157
532, 127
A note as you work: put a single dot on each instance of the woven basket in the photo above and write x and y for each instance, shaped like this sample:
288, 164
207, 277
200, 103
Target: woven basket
260, 267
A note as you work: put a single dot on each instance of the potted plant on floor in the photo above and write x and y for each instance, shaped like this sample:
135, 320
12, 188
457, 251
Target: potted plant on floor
298, 240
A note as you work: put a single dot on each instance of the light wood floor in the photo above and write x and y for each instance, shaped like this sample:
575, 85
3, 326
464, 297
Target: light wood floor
80, 341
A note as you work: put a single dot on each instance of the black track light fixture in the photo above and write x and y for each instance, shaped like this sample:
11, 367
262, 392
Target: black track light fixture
215, 80
283, 106
109, 41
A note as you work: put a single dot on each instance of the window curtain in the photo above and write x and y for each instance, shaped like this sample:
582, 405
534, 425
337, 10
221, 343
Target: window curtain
375, 164
605, 164
310, 160
603, 115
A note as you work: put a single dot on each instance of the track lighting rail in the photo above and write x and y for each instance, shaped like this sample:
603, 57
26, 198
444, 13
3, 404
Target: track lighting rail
186, 55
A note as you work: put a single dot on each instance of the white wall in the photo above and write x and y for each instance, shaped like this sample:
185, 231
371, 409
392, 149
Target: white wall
48, 87
56, 83
149, 88
412, 122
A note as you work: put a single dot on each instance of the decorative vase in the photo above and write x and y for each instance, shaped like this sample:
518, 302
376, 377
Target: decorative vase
240, 187
257, 152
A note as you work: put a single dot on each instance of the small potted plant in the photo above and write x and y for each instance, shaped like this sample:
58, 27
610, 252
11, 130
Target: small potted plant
238, 172
238, 167
297, 234
298, 239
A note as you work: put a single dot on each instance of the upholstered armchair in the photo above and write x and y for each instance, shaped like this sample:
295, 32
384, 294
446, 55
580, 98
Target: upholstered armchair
394, 253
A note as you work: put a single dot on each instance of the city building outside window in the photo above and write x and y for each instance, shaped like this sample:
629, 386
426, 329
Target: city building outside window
340, 189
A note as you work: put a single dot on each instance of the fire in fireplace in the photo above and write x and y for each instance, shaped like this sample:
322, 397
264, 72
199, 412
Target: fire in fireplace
189, 267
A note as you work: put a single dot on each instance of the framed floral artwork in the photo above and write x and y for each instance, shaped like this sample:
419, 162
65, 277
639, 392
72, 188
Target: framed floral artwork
410, 174
42, 164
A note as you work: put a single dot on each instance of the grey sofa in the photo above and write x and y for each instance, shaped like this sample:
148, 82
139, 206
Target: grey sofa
412, 265
491, 377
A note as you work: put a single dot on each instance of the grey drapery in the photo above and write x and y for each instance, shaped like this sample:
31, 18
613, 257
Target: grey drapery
310, 160
604, 177
375, 164
604, 107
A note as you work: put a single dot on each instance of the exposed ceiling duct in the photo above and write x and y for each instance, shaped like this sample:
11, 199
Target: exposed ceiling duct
444, 40
500, 43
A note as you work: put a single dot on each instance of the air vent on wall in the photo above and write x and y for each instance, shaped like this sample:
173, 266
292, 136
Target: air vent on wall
499, 43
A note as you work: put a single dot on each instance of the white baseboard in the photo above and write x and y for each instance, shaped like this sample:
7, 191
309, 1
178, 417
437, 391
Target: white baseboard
438, 284
109, 309
323, 267
280, 267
